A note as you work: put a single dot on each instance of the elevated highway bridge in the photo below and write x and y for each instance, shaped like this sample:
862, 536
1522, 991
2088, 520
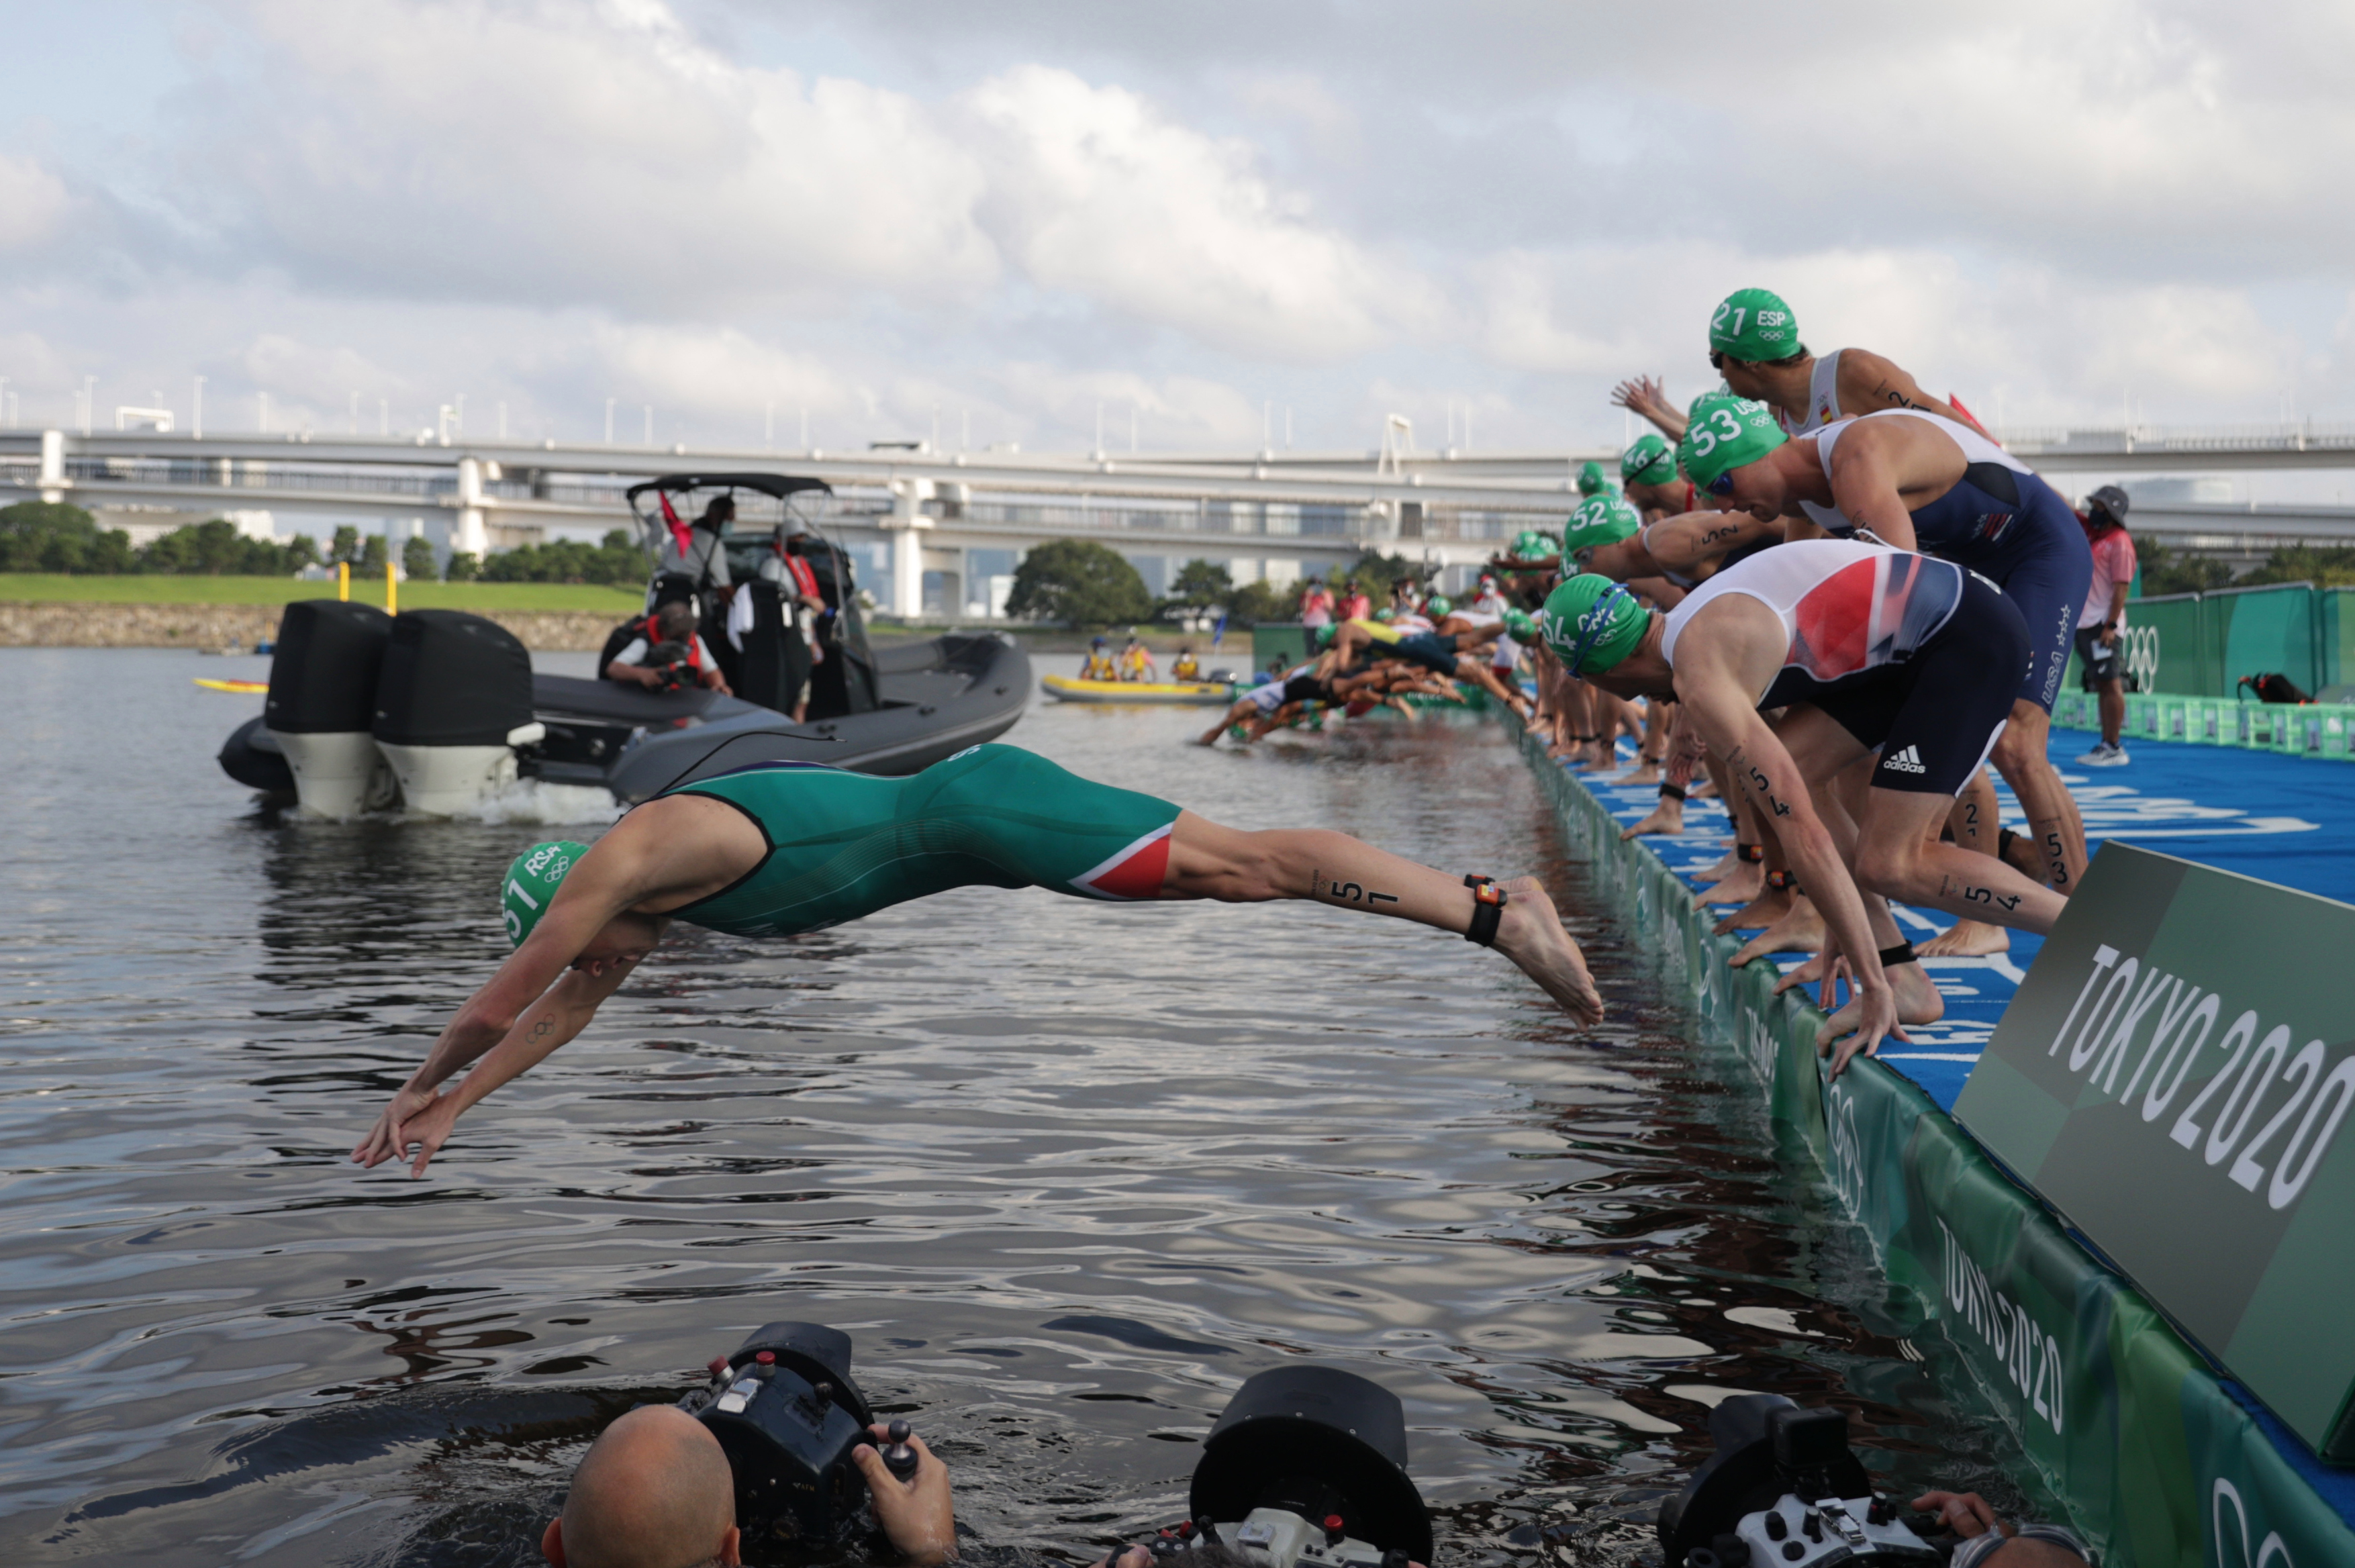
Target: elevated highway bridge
935, 528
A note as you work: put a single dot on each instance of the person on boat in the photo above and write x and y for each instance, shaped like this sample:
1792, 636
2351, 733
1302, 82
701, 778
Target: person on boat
1137, 661
664, 651
2103, 618
696, 556
1918, 481
1872, 649
1316, 605
780, 848
1100, 665
1754, 343
1185, 667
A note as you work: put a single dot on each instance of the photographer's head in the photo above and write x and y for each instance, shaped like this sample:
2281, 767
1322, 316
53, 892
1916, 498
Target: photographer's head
676, 622
654, 1491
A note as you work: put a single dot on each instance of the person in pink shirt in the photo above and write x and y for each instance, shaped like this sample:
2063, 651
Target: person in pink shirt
1316, 605
1354, 605
2104, 617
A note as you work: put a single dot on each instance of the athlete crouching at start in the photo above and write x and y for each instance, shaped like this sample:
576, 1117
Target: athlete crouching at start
780, 848
1870, 650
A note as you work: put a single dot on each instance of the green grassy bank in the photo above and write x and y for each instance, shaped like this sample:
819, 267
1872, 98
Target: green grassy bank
49, 587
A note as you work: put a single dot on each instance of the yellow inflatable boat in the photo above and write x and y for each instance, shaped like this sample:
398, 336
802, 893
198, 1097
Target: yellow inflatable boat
1188, 693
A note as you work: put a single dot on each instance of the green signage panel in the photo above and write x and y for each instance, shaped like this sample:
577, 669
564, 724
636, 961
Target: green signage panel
2175, 1077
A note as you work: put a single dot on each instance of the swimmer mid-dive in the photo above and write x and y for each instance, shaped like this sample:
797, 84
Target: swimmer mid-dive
784, 848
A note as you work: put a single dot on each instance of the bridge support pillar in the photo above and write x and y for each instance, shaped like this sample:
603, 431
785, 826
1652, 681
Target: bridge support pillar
53, 465
905, 527
468, 534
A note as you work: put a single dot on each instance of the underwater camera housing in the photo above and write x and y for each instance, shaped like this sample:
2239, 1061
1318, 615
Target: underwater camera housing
1784, 1490
1307, 1466
787, 1414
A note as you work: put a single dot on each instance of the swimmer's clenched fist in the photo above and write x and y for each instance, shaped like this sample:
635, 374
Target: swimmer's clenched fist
778, 849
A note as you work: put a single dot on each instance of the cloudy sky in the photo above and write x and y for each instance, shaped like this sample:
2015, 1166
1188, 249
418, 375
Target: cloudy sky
1004, 215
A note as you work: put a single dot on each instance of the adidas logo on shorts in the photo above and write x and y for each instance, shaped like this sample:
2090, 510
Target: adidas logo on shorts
1908, 761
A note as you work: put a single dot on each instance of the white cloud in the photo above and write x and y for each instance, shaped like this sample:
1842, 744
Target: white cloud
1095, 192
33, 203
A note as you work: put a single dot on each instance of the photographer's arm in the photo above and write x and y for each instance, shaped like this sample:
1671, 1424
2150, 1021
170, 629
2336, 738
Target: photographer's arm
915, 1513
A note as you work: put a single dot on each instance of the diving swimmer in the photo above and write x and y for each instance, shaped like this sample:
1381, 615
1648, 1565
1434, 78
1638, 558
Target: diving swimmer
784, 848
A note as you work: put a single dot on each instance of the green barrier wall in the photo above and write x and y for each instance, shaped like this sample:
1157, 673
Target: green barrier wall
2270, 628
2157, 1465
2308, 729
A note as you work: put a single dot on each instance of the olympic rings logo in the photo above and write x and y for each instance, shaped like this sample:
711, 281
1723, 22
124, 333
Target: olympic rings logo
2141, 655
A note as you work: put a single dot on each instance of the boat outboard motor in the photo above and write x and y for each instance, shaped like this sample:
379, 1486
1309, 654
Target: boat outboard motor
1306, 1463
322, 705
787, 1415
453, 704
1784, 1489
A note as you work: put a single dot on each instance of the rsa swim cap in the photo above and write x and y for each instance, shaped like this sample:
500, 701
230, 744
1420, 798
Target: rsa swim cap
532, 880
1593, 624
1756, 326
1590, 479
1726, 433
1650, 461
1604, 519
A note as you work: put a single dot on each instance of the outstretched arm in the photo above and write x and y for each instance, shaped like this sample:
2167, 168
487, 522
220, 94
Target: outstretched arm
1718, 703
1647, 398
1208, 861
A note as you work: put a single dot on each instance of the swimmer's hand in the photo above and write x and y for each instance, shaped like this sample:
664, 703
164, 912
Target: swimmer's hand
916, 1513
418, 1116
1870, 1017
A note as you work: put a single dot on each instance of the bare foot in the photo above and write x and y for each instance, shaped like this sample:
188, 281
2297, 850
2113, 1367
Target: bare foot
1758, 914
1801, 930
1530, 934
1646, 771
1747, 882
1726, 866
1967, 939
1918, 1002
1669, 816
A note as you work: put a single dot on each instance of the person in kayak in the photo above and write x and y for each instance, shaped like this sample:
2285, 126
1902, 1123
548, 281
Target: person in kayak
780, 848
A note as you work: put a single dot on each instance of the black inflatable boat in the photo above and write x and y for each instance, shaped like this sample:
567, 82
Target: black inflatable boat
433, 710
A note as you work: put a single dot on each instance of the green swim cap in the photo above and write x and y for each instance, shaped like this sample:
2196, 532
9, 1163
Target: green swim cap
1726, 433
1603, 519
1326, 634
531, 880
1536, 544
1439, 605
1590, 479
1754, 325
1383, 614
1650, 461
1520, 626
1593, 624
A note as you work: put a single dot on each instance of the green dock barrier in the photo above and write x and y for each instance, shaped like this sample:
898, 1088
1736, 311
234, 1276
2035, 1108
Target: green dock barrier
2157, 1463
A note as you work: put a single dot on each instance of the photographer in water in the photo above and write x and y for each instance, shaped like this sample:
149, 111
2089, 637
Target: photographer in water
656, 1491
781, 1453
663, 653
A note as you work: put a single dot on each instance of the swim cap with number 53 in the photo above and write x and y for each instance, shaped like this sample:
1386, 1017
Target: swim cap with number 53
1724, 434
532, 880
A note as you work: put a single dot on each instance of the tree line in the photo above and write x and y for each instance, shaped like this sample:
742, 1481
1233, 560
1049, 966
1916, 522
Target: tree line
1090, 586
57, 537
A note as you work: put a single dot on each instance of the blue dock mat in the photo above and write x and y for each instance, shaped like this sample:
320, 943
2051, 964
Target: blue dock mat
2284, 819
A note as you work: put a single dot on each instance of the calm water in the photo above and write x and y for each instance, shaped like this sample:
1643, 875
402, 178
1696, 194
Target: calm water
1067, 1174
